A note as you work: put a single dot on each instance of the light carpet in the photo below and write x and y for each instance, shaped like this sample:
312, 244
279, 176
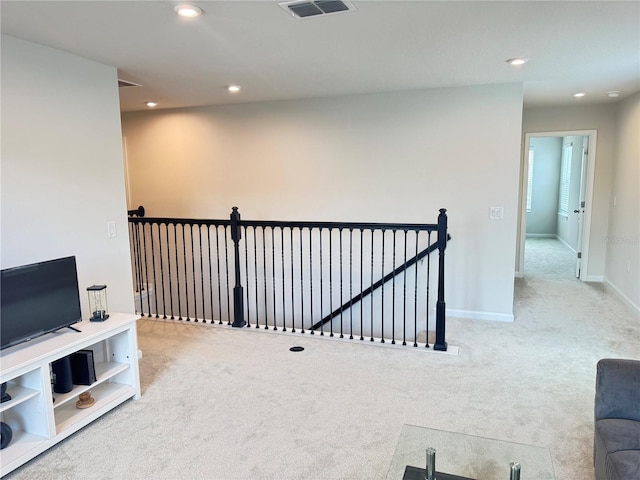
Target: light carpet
223, 403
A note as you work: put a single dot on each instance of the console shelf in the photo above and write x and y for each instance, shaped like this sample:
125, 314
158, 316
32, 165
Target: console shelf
40, 418
18, 395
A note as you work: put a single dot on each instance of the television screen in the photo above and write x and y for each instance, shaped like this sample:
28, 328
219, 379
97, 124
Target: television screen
37, 299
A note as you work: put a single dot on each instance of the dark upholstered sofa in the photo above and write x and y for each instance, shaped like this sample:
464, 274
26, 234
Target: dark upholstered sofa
616, 453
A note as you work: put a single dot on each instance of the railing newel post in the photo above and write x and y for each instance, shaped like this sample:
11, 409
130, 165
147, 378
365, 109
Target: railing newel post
440, 343
238, 298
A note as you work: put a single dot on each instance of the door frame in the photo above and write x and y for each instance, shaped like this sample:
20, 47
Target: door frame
588, 182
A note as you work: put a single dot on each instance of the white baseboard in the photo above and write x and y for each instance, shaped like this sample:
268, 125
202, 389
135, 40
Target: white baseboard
616, 291
540, 235
566, 244
496, 317
594, 278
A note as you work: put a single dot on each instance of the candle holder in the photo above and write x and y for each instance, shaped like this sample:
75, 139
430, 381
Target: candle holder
515, 471
98, 303
430, 473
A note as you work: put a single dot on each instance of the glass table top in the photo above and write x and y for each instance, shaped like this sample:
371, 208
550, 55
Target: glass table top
468, 455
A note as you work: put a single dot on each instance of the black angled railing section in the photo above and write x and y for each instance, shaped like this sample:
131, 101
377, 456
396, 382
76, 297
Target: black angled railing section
366, 281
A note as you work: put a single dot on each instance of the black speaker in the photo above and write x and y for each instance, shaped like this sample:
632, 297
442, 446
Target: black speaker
6, 434
83, 367
62, 375
4, 396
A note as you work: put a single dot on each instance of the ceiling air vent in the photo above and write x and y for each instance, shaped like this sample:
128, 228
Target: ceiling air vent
316, 8
125, 83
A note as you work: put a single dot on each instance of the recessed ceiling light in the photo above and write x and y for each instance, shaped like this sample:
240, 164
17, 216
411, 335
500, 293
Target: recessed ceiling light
517, 61
233, 88
151, 104
189, 11
613, 94
579, 94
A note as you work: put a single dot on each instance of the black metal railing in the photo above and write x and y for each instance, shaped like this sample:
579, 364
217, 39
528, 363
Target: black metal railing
349, 279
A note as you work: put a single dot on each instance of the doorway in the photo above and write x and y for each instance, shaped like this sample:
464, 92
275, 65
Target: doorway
557, 191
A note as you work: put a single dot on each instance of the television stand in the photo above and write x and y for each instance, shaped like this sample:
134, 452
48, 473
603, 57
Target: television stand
40, 418
74, 329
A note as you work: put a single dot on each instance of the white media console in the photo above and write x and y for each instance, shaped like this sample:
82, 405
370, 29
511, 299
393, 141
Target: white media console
41, 418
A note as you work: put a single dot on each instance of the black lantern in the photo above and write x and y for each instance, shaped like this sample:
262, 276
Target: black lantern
98, 303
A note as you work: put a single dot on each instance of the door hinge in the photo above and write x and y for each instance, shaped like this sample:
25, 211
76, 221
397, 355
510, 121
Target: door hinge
579, 254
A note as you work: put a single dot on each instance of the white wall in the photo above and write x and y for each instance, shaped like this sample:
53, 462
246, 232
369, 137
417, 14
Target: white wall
62, 168
385, 157
601, 118
623, 239
542, 219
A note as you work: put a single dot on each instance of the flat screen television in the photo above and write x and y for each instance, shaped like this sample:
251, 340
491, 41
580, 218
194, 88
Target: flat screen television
37, 299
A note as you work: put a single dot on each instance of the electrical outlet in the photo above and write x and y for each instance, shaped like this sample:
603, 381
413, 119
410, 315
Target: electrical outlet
111, 230
496, 213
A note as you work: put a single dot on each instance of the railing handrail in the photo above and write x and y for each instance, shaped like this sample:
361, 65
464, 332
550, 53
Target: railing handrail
293, 224
180, 221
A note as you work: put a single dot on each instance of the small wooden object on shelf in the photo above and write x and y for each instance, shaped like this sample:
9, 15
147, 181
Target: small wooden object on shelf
85, 400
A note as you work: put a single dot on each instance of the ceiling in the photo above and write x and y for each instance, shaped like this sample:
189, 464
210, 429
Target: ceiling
589, 46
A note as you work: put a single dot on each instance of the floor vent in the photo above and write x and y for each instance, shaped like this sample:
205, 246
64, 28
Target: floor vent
125, 83
318, 7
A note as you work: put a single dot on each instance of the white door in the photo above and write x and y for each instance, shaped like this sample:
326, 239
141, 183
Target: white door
583, 195
589, 160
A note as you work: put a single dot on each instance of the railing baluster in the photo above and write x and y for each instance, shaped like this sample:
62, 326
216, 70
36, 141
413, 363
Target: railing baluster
351, 284
146, 270
415, 297
393, 294
273, 274
383, 231
293, 310
428, 283
311, 278
175, 248
193, 271
264, 276
255, 271
361, 283
204, 316
404, 294
136, 262
153, 270
226, 263
301, 284
210, 272
164, 296
321, 286
246, 269
284, 308
186, 272
175, 233
341, 287
331, 278
219, 278
371, 319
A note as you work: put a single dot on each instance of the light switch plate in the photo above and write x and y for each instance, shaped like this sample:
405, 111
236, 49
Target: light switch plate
496, 213
111, 230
